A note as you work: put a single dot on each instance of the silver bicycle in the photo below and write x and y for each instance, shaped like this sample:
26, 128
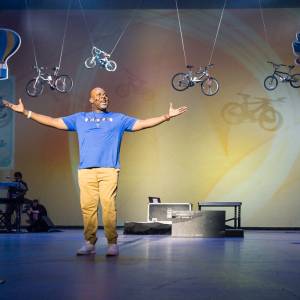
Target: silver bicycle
61, 83
209, 84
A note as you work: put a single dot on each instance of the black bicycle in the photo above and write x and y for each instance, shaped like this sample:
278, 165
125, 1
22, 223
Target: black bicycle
271, 82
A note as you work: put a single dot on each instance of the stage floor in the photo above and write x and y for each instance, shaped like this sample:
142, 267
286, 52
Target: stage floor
262, 265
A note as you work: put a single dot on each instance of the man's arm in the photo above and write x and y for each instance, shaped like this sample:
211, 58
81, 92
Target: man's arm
147, 123
42, 119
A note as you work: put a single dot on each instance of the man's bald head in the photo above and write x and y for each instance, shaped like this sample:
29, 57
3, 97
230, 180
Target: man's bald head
98, 99
96, 91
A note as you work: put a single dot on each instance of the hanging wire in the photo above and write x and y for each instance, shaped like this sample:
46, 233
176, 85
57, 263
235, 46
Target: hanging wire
86, 23
263, 21
181, 36
31, 34
121, 35
217, 33
126, 27
65, 31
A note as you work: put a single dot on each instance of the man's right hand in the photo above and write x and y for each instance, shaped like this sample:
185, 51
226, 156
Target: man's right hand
15, 107
42, 119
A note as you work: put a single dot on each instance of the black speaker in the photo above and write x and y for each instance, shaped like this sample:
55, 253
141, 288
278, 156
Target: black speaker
146, 228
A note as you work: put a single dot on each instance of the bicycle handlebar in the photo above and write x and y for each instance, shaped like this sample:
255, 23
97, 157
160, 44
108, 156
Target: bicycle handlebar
201, 68
276, 65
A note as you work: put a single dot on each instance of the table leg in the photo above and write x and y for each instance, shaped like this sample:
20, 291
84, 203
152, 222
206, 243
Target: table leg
235, 217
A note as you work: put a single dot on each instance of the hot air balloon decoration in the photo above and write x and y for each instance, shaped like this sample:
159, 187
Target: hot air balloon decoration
10, 42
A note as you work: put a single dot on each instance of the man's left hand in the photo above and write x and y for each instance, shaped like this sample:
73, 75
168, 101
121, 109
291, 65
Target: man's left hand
173, 112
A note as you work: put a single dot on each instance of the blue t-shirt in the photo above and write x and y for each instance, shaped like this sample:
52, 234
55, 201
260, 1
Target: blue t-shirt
99, 137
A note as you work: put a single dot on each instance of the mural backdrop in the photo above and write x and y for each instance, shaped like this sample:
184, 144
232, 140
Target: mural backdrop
240, 145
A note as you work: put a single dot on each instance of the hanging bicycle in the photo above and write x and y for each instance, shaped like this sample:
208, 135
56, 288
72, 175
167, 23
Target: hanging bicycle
182, 81
271, 82
101, 58
209, 84
61, 83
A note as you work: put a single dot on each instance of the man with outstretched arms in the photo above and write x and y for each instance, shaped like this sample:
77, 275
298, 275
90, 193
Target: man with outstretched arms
99, 135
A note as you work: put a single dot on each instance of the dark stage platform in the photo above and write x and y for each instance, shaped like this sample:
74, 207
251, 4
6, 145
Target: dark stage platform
262, 265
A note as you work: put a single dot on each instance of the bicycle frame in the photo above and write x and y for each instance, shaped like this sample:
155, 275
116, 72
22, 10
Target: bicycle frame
201, 77
49, 79
96, 54
286, 76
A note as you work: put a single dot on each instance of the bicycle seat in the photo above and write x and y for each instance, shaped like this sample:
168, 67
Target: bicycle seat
96, 50
210, 66
275, 65
190, 66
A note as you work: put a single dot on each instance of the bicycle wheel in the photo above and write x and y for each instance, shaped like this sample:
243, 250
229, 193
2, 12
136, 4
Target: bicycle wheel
64, 83
210, 86
111, 66
271, 83
34, 88
90, 62
233, 113
270, 119
180, 82
295, 82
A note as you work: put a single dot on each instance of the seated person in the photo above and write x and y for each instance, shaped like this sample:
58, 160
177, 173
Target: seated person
16, 198
36, 212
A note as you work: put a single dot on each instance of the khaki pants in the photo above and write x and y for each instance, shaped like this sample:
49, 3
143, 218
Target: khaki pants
99, 185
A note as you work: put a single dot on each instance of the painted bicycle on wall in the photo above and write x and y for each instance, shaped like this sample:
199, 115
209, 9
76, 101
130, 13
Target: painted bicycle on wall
271, 82
209, 85
253, 109
61, 83
101, 58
